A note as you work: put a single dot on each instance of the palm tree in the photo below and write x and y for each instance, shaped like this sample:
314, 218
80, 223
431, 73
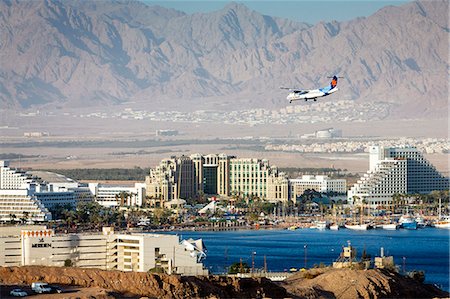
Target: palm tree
124, 196
12, 218
363, 204
26, 214
395, 201
161, 215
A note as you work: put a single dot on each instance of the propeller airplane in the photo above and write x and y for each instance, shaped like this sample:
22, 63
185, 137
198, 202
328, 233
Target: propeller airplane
296, 94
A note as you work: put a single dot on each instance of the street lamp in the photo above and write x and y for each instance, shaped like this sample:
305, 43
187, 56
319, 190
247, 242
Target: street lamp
253, 261
306, 255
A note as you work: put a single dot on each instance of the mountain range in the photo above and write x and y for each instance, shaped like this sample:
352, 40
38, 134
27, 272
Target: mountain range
102, 53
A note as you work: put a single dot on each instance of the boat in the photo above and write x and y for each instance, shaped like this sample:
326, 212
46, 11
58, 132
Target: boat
321, 224
293, 227
389, 226
334, 227
407, 222
444, 222
420, 221
335, 224
357, 226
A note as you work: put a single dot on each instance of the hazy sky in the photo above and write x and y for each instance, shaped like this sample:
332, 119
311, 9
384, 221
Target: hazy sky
298, 10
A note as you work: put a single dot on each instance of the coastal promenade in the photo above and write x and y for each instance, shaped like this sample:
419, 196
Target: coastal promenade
273, 223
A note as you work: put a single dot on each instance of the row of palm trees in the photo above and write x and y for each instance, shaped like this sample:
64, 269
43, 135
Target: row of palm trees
93, 216
427, 204
90, 215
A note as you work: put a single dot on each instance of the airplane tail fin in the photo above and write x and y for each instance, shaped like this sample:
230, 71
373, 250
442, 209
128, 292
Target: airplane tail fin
333, 83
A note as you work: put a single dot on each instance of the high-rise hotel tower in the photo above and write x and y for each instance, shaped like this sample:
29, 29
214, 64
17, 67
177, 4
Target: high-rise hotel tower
187, 177
396, 171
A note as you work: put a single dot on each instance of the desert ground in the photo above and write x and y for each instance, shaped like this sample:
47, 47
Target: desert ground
70, 158
113, 154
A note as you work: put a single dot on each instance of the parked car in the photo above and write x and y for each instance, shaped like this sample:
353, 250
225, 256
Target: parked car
40, 287
18, 293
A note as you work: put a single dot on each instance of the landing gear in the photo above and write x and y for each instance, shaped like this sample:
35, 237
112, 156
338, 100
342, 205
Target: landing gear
315, 100
290, 101
306, 100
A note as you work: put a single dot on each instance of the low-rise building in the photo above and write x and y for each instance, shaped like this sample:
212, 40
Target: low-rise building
319, 183
107, 250
115, 195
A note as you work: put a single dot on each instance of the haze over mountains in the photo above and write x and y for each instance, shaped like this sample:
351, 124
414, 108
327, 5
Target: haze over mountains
97, 53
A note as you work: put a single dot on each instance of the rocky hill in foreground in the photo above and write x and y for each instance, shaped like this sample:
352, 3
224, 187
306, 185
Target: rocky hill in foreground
96, 53
315, 283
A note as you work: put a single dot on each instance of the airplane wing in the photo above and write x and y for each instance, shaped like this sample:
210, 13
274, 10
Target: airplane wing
296, 90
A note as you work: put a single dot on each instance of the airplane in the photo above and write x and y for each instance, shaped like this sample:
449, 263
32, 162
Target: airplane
312, 94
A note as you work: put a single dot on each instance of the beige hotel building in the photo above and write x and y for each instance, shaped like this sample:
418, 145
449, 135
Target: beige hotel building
188, 177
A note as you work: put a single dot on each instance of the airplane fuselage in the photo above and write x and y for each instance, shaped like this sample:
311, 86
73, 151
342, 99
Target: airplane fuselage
309, 95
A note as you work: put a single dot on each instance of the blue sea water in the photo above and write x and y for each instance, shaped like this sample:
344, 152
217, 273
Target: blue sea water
423, 249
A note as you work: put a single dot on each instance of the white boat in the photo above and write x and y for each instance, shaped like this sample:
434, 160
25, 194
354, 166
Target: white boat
389, 226
334, 227
444, 222
356, 226
321, 224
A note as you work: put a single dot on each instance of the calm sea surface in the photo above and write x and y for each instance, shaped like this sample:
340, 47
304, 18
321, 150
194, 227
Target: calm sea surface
423, 249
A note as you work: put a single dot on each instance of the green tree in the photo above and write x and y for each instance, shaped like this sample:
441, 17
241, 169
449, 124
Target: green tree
68, 263
12, 218
161, 215
238, 267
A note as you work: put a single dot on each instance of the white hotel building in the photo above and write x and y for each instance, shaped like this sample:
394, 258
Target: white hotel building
114, 196
320, 183
17, 200
38, 245
29, 195
395, 171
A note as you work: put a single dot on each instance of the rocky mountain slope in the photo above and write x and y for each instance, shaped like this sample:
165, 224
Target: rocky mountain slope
144, 284
96, 53
314, 283
347, 283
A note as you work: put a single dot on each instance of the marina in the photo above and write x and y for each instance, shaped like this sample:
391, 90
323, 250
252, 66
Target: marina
422, 249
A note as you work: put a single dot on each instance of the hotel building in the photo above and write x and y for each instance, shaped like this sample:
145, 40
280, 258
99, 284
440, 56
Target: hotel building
114, 196
223, 175
17, 199
395, 171
29, 195
320, 183
249, 177
108, 250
